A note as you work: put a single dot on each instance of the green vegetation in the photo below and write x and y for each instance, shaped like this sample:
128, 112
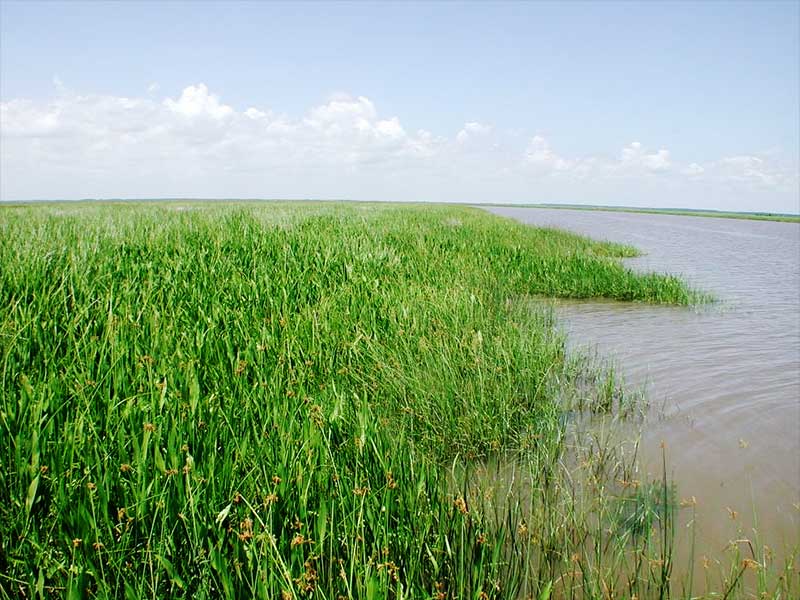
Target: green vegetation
686, 212
292, 401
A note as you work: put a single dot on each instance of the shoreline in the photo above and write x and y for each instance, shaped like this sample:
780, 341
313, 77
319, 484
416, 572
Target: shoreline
688, 212
288, 388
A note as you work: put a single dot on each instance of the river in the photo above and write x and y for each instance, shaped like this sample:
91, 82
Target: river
723, 380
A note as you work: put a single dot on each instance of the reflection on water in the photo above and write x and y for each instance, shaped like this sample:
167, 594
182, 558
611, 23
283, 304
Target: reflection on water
727, 376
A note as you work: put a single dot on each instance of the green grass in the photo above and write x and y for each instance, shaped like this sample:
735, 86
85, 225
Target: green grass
292, 401
686, 212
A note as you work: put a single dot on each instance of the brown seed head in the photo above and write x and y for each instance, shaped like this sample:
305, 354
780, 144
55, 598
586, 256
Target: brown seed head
749, 563
461, 505
246, 530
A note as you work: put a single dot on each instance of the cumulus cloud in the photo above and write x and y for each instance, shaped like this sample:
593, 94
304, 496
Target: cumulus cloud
636, 156
200, 124
193, 143
196, 101
472, 130
539, 154
634, 160
694, 170
746, 168
753, 171
255, 114
344, 111
635, 163
21, 118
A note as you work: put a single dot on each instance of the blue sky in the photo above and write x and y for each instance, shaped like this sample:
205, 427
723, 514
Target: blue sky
647, 104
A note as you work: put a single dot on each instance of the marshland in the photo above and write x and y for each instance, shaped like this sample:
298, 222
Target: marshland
326, 400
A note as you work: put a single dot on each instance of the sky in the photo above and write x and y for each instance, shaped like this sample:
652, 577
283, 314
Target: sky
675, 104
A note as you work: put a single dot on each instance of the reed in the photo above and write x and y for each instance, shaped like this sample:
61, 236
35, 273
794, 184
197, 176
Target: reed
297, 400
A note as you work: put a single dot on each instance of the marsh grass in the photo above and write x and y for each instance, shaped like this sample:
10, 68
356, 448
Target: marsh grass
262, 400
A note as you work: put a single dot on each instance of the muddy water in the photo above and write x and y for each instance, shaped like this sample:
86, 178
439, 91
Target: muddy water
725, 379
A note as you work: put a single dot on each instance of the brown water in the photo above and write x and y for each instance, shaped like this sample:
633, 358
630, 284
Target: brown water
726, 378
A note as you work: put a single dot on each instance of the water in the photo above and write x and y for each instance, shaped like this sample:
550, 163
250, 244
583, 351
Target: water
726, 379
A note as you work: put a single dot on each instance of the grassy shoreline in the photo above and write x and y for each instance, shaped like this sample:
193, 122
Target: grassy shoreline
270, 401
688, 212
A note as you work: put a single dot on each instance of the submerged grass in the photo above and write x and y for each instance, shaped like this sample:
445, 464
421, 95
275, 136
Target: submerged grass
261, 400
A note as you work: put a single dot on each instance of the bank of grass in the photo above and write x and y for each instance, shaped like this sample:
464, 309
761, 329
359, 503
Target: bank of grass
291, 400
685, 212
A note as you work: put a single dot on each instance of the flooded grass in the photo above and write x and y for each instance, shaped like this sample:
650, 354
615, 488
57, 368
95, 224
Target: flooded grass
293, 400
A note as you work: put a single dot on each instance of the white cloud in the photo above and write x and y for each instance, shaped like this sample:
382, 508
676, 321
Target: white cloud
472, 130
750, 170
255, 114
174, 140
196, 101
634, 161
344, 111
637, 164
694, 170
23, 118
196, 145
635, 156
542, 156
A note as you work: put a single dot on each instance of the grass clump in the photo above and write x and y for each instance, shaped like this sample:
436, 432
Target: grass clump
258, 400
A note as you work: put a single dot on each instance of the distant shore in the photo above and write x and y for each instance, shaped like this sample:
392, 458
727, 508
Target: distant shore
686, 212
